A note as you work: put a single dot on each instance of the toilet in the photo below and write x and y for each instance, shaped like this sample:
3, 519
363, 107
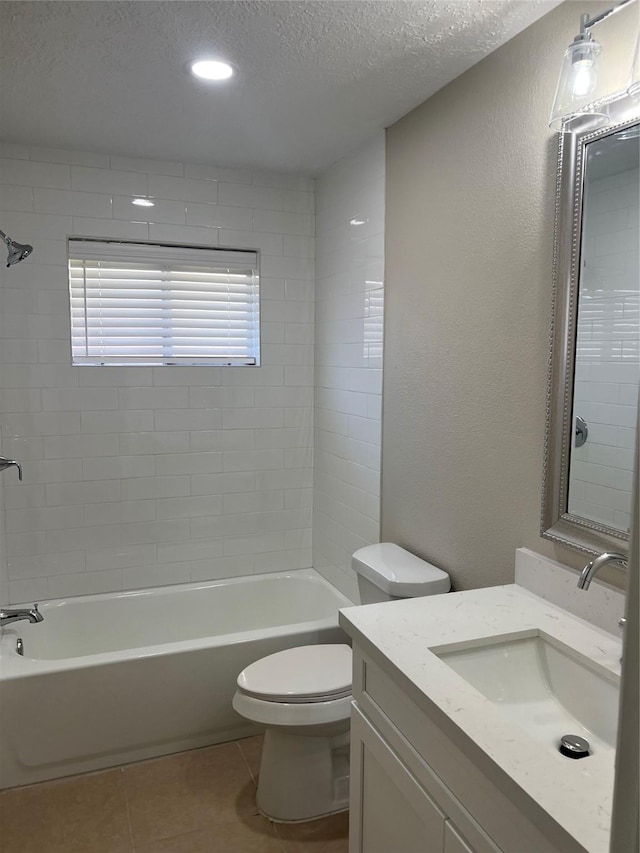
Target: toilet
302, 696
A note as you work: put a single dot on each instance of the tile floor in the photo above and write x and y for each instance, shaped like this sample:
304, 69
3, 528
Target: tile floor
201, 801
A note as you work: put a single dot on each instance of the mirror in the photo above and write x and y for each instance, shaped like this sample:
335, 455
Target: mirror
595, 347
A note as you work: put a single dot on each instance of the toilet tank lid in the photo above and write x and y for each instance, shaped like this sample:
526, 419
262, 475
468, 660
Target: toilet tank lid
398, 572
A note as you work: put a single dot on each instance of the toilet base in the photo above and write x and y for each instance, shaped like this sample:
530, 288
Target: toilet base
304, 819
304, 777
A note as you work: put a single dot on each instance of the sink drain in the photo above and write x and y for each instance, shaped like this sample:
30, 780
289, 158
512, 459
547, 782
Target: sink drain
574, 746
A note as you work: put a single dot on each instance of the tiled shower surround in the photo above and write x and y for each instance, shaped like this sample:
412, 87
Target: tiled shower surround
140, 476
608, 353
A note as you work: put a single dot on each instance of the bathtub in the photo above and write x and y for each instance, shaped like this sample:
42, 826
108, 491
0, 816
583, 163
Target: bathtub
109, 679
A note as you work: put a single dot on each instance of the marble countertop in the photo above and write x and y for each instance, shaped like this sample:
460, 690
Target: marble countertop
576, 794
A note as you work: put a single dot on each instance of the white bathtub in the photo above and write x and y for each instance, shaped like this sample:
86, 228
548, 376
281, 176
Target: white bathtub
108, 679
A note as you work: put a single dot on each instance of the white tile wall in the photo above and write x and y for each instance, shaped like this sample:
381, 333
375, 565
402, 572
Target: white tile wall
348, 361
608, 351
143, 476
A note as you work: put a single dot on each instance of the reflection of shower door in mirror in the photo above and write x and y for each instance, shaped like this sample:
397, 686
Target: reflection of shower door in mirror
607, 354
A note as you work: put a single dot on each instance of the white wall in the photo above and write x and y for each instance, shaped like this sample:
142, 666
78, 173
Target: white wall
348, 361
608, 352
143, 476
4, 580
469, 265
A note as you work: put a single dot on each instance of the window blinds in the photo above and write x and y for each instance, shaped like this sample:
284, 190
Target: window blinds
137, 303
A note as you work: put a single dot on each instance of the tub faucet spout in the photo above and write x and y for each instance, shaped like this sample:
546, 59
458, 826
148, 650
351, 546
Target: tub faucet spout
9, 616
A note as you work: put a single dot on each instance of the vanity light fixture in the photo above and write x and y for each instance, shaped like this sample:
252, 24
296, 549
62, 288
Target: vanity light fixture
213, 70
143, 202
578, 106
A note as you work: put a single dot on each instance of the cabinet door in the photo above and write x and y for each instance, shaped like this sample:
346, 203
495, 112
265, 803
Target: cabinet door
390, 810
453, 841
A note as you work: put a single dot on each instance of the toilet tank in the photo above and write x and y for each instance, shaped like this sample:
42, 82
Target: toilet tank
387, 572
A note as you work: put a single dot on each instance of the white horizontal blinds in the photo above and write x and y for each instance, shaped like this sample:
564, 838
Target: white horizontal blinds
137, 303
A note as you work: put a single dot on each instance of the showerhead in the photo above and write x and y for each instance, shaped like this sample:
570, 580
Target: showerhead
16, 251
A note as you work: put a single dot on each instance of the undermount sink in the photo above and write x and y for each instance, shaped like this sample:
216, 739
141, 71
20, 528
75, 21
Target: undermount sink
541, 685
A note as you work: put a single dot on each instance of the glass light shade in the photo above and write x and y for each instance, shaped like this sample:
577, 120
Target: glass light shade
575, 107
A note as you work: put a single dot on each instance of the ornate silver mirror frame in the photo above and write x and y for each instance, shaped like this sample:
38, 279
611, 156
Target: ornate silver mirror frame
557, 523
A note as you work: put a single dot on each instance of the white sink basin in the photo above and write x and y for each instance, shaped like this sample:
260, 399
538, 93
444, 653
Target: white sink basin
543, 686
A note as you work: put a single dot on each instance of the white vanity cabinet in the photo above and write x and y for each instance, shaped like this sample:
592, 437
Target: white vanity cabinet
416, 788
390, 810
453, 841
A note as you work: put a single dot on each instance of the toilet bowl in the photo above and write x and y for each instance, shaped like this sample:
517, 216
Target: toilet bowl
302, 696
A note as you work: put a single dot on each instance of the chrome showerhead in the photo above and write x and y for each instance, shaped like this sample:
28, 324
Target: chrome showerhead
16, 251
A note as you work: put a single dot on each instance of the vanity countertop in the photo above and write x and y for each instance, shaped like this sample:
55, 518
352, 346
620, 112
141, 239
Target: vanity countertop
398, 635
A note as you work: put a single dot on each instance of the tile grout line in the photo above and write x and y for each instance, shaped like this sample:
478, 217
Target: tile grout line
126, 805
281, 841
247, 765
273, 824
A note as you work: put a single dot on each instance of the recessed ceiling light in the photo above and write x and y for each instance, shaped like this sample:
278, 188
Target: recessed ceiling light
357, 221
143, 202
211, 69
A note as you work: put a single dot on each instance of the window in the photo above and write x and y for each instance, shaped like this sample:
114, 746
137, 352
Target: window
138, 303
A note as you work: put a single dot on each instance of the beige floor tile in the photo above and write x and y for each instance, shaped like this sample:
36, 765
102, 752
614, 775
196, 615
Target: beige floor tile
183, 793
251, 749
201, 801
86, 814
251, 835
326, 835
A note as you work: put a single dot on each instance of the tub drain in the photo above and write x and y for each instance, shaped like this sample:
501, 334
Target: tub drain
574, 746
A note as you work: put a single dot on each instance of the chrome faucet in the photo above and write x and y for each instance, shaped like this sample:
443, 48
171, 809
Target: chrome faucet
9, 616
10, 463
592, 568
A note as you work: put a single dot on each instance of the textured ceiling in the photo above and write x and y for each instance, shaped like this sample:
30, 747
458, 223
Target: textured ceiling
316, 78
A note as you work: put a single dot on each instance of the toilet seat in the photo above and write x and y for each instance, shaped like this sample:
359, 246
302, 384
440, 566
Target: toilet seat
292, 714
303, 675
